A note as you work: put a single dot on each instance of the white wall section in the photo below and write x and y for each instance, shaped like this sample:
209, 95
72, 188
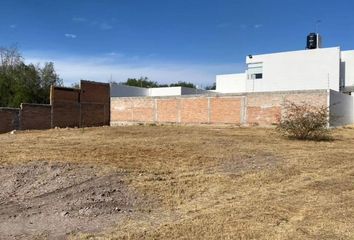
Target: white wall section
341, 109
231, 83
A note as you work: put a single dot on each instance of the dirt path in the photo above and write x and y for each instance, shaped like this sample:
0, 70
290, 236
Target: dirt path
54, 200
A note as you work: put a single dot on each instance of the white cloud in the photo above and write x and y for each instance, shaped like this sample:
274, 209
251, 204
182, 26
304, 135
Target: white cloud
246, 26
243, 26
115, 54
105, 26
70, 35
101, 24
72, 69
79, 19
112, 54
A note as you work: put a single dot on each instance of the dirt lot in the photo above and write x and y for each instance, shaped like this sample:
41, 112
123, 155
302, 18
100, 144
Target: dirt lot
175, 182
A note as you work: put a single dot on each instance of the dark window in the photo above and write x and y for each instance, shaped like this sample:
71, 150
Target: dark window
258, 75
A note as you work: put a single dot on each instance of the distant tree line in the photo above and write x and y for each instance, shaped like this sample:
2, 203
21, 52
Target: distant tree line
24, 83
144, 82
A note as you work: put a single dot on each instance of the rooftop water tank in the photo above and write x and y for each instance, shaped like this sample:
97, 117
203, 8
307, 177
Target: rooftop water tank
313, 41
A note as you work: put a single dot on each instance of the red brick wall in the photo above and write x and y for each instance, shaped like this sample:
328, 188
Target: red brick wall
248, 109
65, 107
8, 119
264, 109
194, 110
63, 94
35, 116
122, 109
263, 116
84, 107
167, 110
92, 115
95, 103
94, 92
225, 110
69, 107
143, 110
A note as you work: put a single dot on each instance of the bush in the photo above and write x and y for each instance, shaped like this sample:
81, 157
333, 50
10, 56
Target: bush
305, 122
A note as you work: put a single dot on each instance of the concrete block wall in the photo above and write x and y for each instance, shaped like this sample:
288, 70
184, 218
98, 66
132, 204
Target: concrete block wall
261, 109
9, 119
35, 116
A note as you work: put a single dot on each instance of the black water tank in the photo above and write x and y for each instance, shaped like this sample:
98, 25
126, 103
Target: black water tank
312, 41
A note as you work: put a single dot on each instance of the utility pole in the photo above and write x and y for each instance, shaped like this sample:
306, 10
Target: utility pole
318, 22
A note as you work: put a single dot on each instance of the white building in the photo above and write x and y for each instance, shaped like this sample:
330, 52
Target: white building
320, 68
119, 90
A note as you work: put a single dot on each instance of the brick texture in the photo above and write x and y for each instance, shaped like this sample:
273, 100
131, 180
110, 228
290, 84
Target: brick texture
8, 119
168, 110
65, 107
84, 107
261, 109
263, 116
315, 99
35, 116
225, 110
69, 107
194, 110
95, 103
122, 109
143, 110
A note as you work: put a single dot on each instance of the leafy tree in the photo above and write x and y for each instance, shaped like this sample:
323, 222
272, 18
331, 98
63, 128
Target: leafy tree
48, 77
143, 82
146, 83
10, 58
24, 83
212, 87
183, 84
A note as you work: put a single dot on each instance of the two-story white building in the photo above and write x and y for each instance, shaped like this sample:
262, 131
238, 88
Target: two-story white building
317, 68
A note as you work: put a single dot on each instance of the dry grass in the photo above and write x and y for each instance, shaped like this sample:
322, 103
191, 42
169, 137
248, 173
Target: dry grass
211, 182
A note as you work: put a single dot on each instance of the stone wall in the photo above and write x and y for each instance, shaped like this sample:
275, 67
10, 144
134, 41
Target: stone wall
261, 109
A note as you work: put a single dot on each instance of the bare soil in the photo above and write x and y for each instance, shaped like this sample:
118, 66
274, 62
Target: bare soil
54, 200
175, 182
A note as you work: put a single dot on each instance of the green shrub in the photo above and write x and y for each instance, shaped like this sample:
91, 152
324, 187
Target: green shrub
304, 121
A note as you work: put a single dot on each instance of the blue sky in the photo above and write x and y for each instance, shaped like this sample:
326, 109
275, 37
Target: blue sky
166, 40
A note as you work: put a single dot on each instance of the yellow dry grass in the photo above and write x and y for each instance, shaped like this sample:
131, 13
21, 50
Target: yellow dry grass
211, 182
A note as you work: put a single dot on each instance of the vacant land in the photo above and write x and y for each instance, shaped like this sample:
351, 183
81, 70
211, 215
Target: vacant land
175, 182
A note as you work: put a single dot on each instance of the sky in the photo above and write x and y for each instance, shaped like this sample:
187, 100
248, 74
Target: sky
166, 40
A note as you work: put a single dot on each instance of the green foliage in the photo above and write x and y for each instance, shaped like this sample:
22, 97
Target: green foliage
183, 84
144, 82
212, 87
21, 83
304, 122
